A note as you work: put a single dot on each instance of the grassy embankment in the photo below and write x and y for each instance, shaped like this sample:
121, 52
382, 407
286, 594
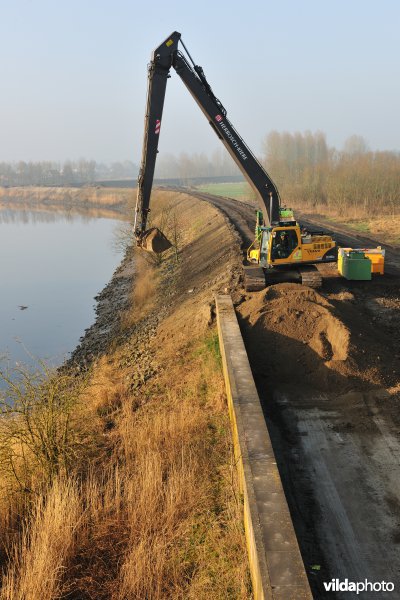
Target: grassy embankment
89, 201
240, 190
117, 488
384, 227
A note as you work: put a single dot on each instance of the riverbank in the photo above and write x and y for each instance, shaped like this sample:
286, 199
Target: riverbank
88, 201
146, 503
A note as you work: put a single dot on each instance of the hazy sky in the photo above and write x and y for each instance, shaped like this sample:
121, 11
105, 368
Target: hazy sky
74, 73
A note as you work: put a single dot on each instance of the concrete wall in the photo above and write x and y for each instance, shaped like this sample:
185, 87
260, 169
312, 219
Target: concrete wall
276, 566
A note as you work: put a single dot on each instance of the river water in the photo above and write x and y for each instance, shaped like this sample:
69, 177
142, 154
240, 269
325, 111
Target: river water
51, 267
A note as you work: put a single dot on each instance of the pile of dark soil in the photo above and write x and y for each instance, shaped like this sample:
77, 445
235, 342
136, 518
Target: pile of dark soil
297, 337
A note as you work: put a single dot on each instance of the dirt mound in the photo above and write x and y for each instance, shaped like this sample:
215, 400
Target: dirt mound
297, 336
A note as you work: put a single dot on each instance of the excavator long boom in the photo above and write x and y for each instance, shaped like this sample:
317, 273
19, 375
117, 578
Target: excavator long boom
164, 57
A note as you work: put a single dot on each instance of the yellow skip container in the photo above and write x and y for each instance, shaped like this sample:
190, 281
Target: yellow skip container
377, 258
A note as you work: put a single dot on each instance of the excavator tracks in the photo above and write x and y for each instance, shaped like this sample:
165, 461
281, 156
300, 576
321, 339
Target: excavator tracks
310, 276
254, 278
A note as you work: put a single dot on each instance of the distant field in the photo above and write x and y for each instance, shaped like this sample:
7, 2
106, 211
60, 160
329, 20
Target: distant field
241, 190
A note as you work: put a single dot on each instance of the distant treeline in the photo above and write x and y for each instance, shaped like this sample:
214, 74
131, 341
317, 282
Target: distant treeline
193, 166
68, 173
184, 167
308, 172
354, 180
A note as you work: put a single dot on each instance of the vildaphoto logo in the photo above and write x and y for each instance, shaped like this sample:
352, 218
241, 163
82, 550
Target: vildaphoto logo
336, 585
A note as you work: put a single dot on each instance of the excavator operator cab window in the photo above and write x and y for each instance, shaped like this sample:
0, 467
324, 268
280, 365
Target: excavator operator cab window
283, 243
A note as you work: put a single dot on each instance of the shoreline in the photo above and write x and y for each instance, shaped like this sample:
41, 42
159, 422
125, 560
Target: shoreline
110, 302
100, 324
118, 201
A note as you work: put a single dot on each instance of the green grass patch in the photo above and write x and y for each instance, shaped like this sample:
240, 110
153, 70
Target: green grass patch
240, 190
362, 226
209, 349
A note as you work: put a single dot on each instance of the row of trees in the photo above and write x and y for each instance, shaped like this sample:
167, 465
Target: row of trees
67, 173
308, 172
184, 167
191, 166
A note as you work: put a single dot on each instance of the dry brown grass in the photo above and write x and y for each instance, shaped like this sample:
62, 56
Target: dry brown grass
185, 537
158, 514
385, 229
41, 556
152, 509
59, 195
108, 203
144, 292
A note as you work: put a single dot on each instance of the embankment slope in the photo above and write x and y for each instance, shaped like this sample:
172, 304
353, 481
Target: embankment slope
152, 484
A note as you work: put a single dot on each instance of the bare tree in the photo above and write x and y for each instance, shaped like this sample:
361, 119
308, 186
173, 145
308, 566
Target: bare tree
355, 145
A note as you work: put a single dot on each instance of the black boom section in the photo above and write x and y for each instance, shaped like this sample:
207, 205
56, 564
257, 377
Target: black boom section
165, 56
255, 174
158, 73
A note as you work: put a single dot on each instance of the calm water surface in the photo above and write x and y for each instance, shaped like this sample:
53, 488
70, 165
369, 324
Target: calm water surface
54, 265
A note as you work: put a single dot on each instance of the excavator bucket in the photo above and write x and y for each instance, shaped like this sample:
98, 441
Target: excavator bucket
153, 240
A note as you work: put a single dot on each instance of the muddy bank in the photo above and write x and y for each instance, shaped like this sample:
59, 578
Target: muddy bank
108, 331
110, 304
208, 261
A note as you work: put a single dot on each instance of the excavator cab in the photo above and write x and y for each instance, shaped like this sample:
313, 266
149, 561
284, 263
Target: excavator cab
284, 241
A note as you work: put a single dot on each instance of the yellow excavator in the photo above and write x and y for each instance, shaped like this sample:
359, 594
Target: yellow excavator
280, 245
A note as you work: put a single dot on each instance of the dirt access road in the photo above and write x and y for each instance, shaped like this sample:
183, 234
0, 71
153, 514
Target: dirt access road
327, 367
241, 214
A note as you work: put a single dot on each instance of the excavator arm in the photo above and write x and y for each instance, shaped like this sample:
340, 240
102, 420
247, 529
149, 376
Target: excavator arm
164, 57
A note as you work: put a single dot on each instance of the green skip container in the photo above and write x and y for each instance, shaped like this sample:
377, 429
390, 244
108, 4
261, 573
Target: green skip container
356, 266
